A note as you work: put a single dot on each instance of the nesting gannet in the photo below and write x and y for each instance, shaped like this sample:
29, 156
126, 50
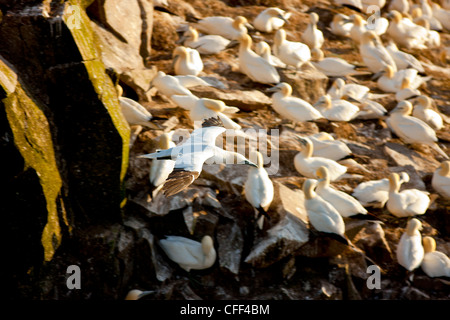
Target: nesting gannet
262, 49
292, 108
392, 81
290, 52
160, 169
369, 109
255, 67
187, 61
409, 202
402, 59
441, 179
422, 110
341, 90
191, 155
321, 214
341, 25
188, 253
410, 250
134, 112
375, 193
170, 85
433, 39
353, 4
344, 203
210, 108
325, 146
410, 129
418, 18
360, 26
208, 44
336, 110
312, 36
187, 102
434, 263
258, 187
307, 165
271, 19
442, 15
373, 53
401, 6
330, 66
406, 92
406, 33
226, 27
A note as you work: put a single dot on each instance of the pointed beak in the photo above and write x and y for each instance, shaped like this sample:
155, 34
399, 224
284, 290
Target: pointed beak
280, 16
272, 89
249, 26
145, 293
248, 162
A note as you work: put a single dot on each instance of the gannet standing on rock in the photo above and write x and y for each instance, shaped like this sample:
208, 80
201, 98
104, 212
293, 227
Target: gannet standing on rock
271, 19
375, 193
134, 112
226, 27
290, 52
292, 108
188, 253
263, 49
336, 110
441, 179
409, 202
410, 129
345, 204
374, 54
191, 155
434, 263
209, 44
170, 85
330, 66
210, 108
160, 169
321, 214
422, 110
341, 25
325, 146
410, 250
187, 61
307, 165
258, 188
406, 33
255, 67
312, 36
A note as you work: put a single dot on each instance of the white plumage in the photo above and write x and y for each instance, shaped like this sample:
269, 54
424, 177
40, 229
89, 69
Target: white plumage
344, 203
226, 27
410, 129
290, 52
187, 61
434, 263
441, 179
255, 67
307, 165
206, 108
188, 253
336, 110
410, 251
160, 169
406, 203
422, 110
374, 54
312, 36
321, 214
208, 44
325, 146
292, 108
270, 19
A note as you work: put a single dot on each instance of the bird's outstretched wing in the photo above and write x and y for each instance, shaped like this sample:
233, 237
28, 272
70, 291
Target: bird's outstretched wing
178, 180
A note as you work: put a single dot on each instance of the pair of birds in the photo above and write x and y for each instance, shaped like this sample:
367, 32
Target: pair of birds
414, 252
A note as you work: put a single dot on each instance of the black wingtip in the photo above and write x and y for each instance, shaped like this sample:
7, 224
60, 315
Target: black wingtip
212, 122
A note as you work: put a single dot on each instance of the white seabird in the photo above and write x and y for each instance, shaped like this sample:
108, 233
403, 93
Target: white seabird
208, 44
191, 155
374, 54
255, 67
206, 108
226, 27
187, 61
160, 169
441, 179
258, 188
406, 203
336, 110
292, 108
325, 146
312, 36
307, 165
422, 110
410, 251
434, 263
411, 129
188, 253
262, 49
271, 19
134, 112
290, 52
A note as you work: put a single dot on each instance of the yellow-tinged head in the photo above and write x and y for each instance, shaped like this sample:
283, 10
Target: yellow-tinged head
429, 244
414, 225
